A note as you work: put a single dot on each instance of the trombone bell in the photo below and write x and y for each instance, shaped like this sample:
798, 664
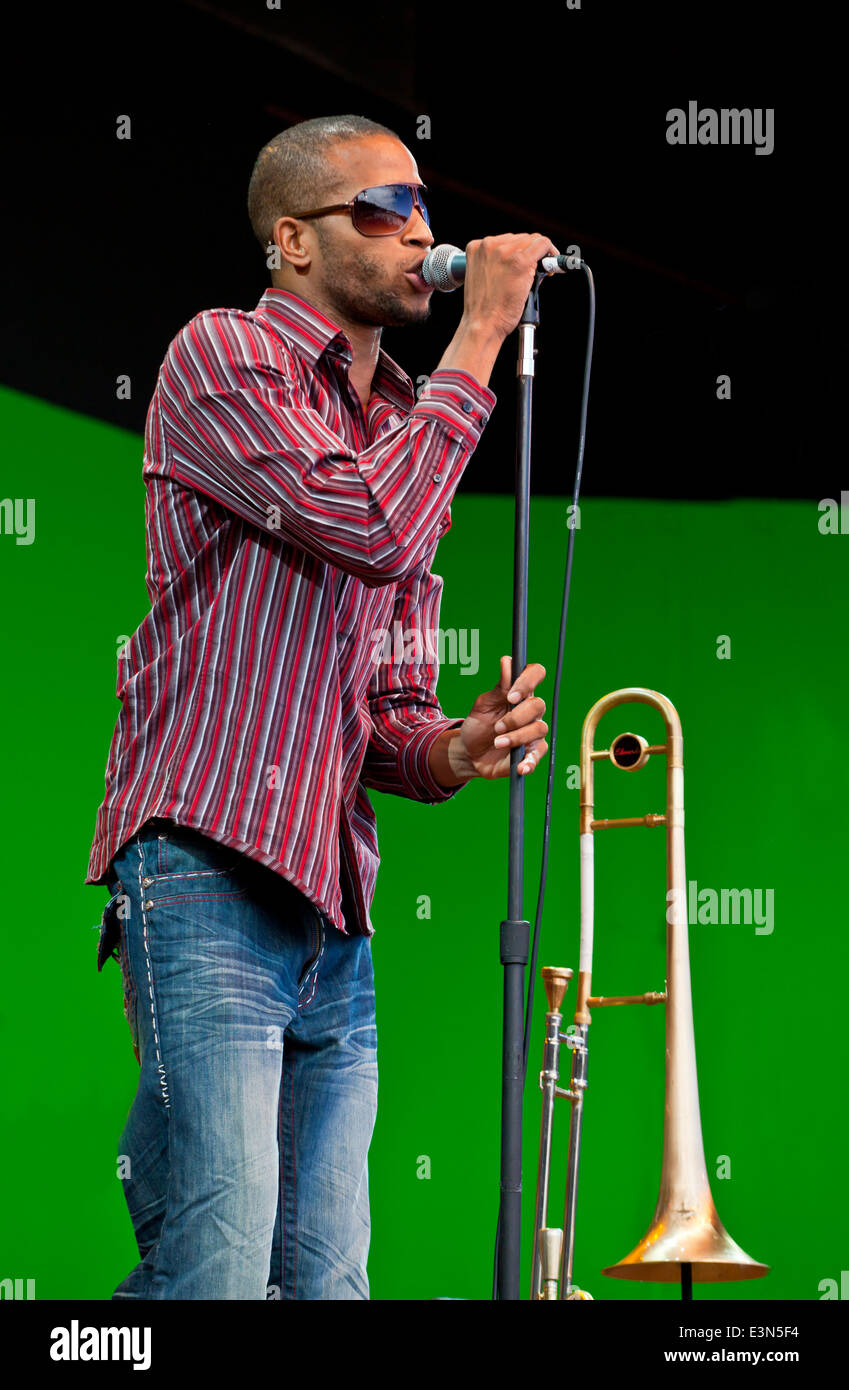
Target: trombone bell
687, 1235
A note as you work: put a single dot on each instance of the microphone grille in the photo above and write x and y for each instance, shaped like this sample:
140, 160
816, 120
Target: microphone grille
436, 269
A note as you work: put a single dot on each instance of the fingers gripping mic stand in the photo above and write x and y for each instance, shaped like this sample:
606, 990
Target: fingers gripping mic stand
515, 929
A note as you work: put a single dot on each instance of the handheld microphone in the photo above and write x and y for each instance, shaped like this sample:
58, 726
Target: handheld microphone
444, 267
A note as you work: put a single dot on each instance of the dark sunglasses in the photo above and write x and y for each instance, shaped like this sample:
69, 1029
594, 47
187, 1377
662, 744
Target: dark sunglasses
379, 211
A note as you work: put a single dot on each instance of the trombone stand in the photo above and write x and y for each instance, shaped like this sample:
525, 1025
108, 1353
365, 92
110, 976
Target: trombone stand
515, 930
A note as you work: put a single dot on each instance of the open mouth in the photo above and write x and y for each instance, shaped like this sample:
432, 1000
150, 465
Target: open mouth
416, 280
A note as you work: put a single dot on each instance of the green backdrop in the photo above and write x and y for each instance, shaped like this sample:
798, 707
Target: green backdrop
656, 586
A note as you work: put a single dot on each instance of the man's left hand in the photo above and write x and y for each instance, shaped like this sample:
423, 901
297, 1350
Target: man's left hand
496, 720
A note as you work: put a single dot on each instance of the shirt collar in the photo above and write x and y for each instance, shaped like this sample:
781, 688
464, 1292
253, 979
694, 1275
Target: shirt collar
313, 334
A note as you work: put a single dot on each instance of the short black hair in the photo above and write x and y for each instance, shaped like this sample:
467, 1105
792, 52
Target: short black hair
292, 172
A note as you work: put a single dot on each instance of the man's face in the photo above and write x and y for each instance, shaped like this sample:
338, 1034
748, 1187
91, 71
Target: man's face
364, 277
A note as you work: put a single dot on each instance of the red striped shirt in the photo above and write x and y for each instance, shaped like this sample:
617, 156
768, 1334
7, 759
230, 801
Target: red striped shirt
287, 529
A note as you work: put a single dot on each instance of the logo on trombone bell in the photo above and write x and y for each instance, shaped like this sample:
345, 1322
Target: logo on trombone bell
725, 907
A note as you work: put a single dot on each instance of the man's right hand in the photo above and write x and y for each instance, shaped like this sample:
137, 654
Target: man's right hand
499, 274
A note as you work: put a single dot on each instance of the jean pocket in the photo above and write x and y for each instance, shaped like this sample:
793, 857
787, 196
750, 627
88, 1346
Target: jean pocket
180, 862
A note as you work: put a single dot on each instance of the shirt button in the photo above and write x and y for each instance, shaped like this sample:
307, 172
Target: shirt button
468, 407
437, 477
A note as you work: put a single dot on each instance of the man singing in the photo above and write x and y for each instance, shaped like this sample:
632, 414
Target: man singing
296, 492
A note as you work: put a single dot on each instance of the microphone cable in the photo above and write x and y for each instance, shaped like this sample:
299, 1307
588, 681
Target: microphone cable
564, 613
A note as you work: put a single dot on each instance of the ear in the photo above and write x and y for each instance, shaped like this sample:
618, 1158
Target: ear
291, 238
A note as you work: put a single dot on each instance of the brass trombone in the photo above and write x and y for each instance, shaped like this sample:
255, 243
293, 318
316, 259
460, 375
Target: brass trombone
686, 1238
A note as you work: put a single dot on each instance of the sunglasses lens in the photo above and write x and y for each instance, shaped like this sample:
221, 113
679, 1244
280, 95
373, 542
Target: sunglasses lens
381, 211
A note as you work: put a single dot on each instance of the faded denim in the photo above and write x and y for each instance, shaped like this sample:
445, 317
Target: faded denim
252, 1017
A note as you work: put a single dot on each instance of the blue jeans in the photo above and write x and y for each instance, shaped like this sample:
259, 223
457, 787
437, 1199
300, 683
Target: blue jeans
244, 1155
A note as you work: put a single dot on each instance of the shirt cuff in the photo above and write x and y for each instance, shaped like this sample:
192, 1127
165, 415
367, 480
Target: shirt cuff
458, 399
415, 762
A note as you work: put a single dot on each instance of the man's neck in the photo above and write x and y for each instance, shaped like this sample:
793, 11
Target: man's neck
361, 379
363, 337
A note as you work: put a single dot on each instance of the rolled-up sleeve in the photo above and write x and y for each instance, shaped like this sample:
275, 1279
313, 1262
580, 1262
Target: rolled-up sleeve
235, 423
405, 713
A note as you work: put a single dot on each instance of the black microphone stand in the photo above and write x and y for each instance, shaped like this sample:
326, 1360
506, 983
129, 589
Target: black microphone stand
515, 929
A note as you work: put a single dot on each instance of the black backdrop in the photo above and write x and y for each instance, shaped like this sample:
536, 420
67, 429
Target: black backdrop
707, 260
